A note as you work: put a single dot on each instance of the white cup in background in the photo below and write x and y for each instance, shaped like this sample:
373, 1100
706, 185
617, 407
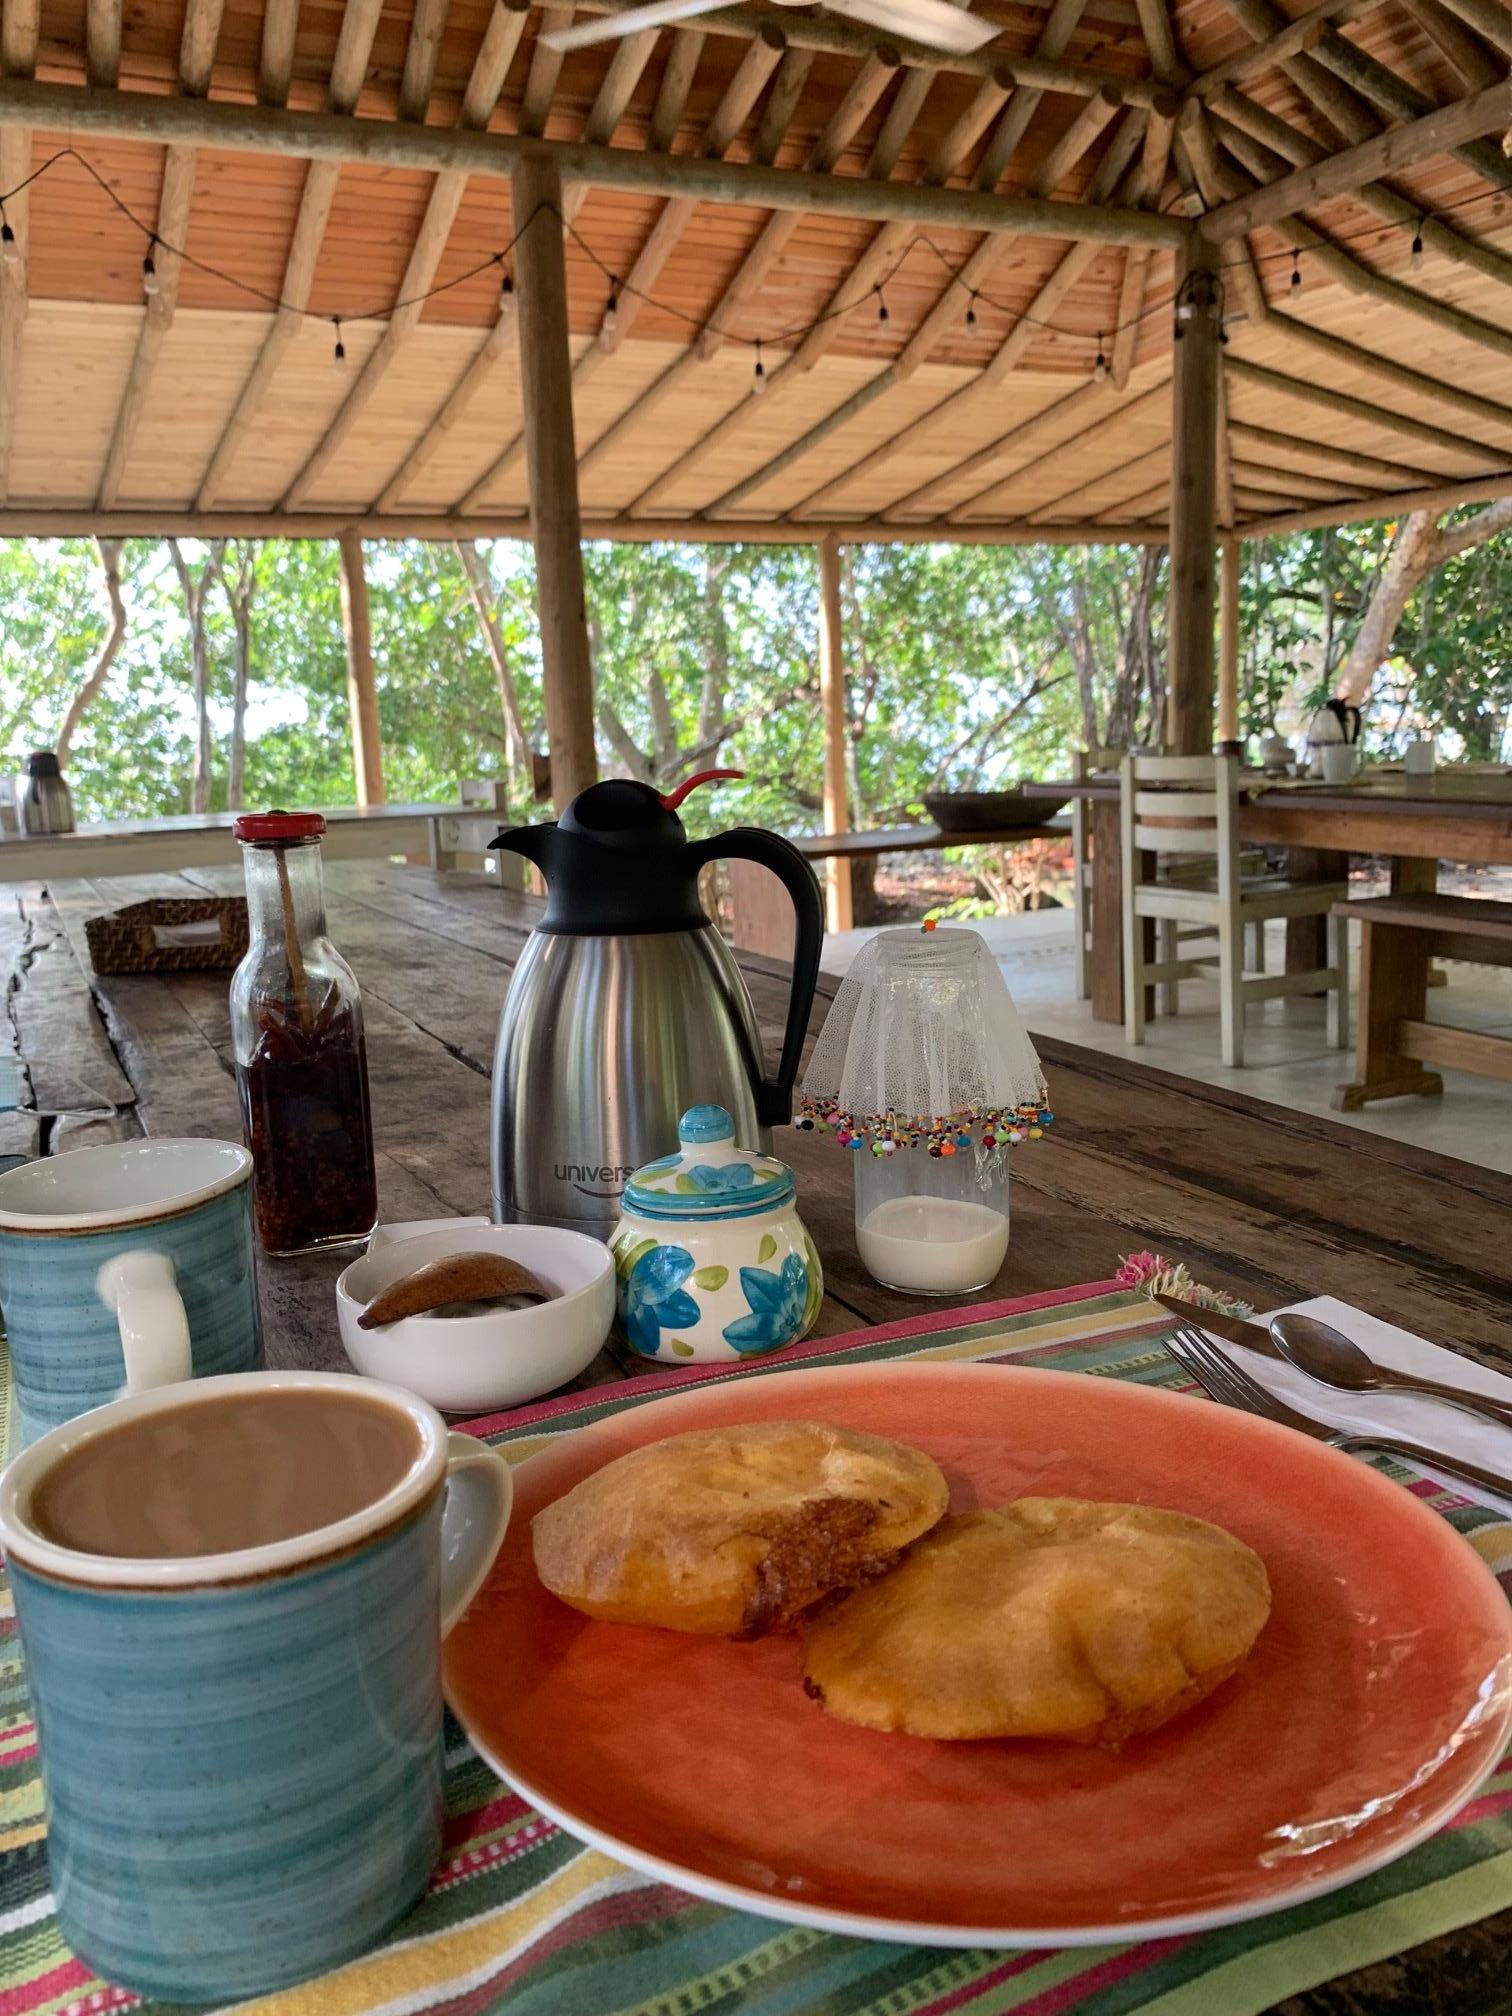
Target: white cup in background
1421, 758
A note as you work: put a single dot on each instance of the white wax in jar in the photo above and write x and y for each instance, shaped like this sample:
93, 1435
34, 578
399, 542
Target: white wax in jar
932, 1244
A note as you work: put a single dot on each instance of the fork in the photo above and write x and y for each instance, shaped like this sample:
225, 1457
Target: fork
1225, 1381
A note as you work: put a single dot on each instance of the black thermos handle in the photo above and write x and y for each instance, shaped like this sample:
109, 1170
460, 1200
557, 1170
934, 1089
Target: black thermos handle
774, 1096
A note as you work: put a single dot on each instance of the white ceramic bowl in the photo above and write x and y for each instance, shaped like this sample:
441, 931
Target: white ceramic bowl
468, 1364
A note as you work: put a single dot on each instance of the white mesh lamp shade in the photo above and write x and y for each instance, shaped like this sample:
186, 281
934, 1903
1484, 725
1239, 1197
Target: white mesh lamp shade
926, 1074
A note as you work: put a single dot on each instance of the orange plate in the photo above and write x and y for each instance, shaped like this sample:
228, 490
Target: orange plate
1377, 1699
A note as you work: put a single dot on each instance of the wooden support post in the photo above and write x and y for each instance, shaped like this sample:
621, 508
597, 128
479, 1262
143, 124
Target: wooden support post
832, 700
1194, 500
551, 458
1228, 659
362, 693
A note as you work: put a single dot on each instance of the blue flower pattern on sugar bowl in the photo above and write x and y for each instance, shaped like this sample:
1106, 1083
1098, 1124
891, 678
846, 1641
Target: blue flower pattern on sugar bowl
712, 1260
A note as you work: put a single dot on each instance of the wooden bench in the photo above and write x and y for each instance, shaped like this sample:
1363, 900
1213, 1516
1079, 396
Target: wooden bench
1394, 1040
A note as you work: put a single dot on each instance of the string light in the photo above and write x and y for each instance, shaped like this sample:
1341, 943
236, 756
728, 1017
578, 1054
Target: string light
758, 376
338, 353
1185, 309
1415, 258
1100, 368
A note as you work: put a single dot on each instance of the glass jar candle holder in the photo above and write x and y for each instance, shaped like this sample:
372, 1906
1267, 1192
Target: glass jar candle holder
932, 1224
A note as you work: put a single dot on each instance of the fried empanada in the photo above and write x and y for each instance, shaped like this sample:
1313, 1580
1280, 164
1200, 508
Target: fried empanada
735, 1531
1051, 1617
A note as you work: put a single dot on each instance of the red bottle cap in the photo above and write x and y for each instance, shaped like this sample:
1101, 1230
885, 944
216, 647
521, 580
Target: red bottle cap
278, 825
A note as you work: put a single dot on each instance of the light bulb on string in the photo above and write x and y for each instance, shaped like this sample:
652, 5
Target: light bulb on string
506, 292
1100, 368
758, 376
971, 315
10, 251
1415, 257
338, 352
149, 270
1296, 272
611, 309
882, 315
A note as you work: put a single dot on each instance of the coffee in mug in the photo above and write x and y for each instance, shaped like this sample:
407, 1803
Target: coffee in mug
231, 1596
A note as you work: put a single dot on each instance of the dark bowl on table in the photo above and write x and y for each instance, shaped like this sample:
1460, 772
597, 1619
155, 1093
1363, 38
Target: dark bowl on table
967, 812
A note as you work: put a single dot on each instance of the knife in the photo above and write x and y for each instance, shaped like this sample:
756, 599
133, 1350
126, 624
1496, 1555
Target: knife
1233, 1329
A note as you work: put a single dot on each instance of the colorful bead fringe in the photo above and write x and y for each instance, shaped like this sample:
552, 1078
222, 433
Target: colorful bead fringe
941, 1134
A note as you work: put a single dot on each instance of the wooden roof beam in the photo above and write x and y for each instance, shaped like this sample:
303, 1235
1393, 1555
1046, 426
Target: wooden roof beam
678, 72
312, 136
102, 42
427, 26
604, 116
1087, 397
484, 86
1329, 400
1216, 182
1454, 42
1253, 134
29, 522
19, 26
762, 57
1339, 351
1488, 18
826, 34
1442, 497
1389, 94
359, 24
885, 249
1053, 291
1299, 37
1488, 111
1334, 101
1156, 26
1117, 416
1362, 468
201, 30
1159, 132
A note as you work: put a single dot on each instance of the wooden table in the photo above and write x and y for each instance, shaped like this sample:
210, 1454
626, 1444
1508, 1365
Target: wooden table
762, 916
1416, 822
1272, 1204
204, 840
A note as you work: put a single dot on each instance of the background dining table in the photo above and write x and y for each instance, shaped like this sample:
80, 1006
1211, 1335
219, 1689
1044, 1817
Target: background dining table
1270, 1204
1415, 822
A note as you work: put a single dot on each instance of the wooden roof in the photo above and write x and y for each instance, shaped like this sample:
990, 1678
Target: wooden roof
1383, 379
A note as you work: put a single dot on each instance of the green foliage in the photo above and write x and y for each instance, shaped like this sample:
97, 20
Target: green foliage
967, 666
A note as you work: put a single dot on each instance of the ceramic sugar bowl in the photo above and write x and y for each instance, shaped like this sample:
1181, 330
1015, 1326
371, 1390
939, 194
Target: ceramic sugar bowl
712, 1262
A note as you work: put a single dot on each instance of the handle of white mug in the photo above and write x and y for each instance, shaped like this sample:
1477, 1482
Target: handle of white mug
479, 1493
141, 1290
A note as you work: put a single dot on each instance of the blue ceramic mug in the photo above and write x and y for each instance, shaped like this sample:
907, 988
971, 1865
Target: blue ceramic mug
241, 1752
122, 1267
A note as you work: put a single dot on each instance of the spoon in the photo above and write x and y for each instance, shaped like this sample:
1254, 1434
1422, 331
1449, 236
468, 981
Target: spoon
1327, 1355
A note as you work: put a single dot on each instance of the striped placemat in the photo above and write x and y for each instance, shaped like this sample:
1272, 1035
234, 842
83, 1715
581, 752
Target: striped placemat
520, 1916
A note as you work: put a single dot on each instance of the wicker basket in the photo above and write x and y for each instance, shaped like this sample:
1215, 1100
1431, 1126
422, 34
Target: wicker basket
160, 936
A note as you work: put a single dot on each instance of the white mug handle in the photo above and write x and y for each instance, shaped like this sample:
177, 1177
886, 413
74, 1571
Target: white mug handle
479, 1493
141, 1290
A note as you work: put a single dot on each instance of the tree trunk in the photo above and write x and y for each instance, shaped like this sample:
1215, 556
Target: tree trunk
110, 562
239, 591
1420, 546
480, 587
194, 587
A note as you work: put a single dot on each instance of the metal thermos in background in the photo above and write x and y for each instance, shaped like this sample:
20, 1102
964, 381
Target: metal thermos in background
44, 803
627, 1007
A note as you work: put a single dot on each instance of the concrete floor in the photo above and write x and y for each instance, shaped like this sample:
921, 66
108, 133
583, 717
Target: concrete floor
1288, 1058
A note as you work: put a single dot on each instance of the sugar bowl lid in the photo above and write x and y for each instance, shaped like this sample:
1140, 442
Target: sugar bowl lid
709, 1177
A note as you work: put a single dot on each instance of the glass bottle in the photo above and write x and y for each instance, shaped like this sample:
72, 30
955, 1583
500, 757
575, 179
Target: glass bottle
301, 1063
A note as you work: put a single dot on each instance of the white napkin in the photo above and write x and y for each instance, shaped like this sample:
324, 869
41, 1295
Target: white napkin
1429, 1422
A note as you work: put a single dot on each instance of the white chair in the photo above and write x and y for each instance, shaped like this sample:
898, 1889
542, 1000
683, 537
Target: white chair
1086, 763
1181, 867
